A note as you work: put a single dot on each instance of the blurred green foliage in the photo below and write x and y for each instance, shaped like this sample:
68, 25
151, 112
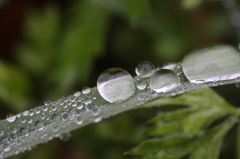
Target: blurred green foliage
67, 44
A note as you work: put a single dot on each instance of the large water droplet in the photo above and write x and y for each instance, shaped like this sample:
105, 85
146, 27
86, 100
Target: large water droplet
164, 81
115, 85
145, 69
216, 62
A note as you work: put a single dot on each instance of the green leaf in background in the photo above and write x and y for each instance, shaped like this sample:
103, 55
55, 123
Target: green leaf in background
36, 54
190, 4
14, 87
202, 146
135, 9
83, 40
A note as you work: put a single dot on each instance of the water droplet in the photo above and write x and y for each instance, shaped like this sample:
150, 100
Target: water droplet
65, 136
45, 108
115, 85
29, 120
145, 69
74, 104
31, 113
55, 129
61, 98
80, 106
141, 84
37, 110
54, 108
164, 81
97, 119
77, 94
25, 113
7, 148
14, 130
48, 102
24, 131
65, 116
216, 62
86, 90
71, 112
11, 118
13, 137
79, 120
42, 116
1, 132
89, 107
39, 125
238, 85
55, 118
88, 101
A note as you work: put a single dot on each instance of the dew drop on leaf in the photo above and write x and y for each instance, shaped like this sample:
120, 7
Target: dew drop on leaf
141, 84
77, 94
39, 125
238, 85
79, 120
145, 69
115, 85
216, 62
86, 90
48, 102
164, 81
11, 118
65, 136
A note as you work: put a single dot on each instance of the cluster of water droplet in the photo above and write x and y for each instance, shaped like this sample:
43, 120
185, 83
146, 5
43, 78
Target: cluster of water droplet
213, 65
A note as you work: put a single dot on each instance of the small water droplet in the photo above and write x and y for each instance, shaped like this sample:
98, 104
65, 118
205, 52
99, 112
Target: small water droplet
54, 108
14, 130
45, 108
88, 101
1, 132
7, 148
39, 125
77, 94
37, 110
65, 136
164, 81
141, 84
79, 120
80, 106
42, 116
71, 112
11, 118
115, 85
238, 85
86, 90
29, 120
25, 113
145, 69
89, 107
48, 102
74, 104
55, 118
97, 119
13, 137
31, 113
55, 129
24, 131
